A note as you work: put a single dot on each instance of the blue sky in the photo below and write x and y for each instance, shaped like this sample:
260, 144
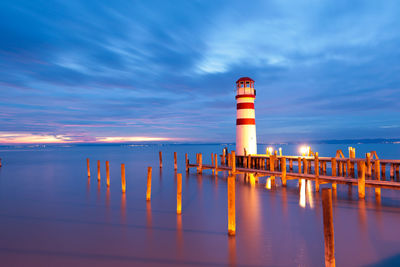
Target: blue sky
92, 70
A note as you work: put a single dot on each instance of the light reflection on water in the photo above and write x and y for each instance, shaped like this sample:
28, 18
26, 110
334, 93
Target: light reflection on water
61, 217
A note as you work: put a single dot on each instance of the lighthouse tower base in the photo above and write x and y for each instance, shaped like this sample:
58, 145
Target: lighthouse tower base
246, 139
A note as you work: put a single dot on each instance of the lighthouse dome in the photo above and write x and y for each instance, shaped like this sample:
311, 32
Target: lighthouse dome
245, 79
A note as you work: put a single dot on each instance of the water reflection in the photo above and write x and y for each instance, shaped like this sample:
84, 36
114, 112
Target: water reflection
123, 208
179, 234
268, 183
148, 215
232, 251
306, 193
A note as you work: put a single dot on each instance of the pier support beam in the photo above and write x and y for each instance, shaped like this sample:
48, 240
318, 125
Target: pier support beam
361, 180
179, 193
123, 181
148, 193
108, 173
231, 206
328, 227
160, 157
283, 167
88, 167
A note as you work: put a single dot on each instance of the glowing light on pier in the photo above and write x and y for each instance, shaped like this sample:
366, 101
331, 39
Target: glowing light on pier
270, 150
305, 150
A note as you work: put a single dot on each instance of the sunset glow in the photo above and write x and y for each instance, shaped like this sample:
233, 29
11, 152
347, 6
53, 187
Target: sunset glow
29, 138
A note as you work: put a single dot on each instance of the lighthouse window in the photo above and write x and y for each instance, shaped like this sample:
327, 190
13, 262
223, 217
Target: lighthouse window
241, 84
247, 84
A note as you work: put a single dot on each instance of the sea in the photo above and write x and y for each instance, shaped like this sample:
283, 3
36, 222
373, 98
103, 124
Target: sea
52, 214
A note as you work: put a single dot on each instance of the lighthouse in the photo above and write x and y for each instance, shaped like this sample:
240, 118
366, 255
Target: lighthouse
245, 117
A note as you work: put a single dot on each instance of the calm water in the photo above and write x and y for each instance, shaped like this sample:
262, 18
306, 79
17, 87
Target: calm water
52, 215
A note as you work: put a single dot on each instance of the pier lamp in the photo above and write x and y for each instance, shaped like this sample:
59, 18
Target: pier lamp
305, 150
270, 150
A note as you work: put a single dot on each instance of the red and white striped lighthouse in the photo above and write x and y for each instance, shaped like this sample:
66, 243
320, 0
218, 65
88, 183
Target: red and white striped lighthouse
245, 117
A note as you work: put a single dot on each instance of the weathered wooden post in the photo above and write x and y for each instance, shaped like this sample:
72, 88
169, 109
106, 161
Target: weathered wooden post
108, 173
175, 161
233, 162
179, 193
223, 157
324, 167
200, 164
328, 227
361, 179
391, 170
316, 168
98, 170
305, 165
1, 165
333, 164
290, 164
383, 168
368, 161
216, 165
377, 176
231, 206
186, 162
299, 163
88, 167
272, 168
397, 171
348, 163
160, 156
283, 168
123, 181
148, 193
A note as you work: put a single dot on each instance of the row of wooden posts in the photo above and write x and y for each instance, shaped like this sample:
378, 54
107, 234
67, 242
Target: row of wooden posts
230, 159
149, 175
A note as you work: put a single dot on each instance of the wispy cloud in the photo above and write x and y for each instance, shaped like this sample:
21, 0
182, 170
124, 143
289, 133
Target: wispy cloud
167, 68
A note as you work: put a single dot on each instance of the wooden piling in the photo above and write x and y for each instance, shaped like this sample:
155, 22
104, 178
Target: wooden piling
249, 161
328, 227
368, 160
233, 161
283, 168
108, 173
324, 167
216, 165
333, 165
316, 168
348, 167
231, 206
340, 168
290, 164
179, 193
123, 181
397, 171
148, 193
299, 164
186, 162
200, 167
98, 170
175, 161
361, 179
160, 157
223, 157
392, 167
383, 169
272, 159
88, 167
305, 165
377, 176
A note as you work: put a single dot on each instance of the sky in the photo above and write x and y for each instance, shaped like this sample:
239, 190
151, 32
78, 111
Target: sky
110, 71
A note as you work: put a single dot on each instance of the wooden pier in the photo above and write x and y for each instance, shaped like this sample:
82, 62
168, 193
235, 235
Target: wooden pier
362, 172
